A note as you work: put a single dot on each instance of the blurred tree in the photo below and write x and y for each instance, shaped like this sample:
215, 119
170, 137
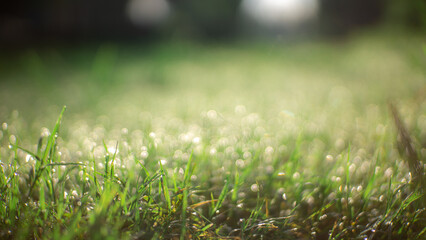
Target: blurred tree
341, 16
209, 18
24, 21
411, 13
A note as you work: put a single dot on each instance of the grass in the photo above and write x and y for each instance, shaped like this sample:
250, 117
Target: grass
239, 141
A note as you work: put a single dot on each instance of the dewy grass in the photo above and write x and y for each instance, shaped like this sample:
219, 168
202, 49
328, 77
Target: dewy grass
111, 204
306, 153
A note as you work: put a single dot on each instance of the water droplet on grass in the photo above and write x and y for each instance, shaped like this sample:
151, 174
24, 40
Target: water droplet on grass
196, 140
352, 168
239, 163
247, 155
212, 114
296, 175
12, 139
74, 193
144, 154
269, 150
254, 187
124, 131
377, 170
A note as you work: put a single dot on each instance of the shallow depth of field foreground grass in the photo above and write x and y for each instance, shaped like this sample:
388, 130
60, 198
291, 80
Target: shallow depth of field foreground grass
239, 141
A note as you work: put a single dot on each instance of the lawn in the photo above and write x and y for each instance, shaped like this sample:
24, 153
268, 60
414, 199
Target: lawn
239, 140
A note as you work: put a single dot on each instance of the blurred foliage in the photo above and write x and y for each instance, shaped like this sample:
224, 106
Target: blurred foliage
410, 13
71, 21
339, 17
209, 17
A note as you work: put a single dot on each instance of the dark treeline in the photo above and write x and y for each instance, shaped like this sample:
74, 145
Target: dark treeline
26, 22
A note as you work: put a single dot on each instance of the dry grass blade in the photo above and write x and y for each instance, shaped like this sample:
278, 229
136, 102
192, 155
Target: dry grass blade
202, 203
416, 167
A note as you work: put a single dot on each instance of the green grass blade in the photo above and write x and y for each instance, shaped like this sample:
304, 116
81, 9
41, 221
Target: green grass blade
221, 198
164, 184
185, 187
52, 138
26, 151
236, 187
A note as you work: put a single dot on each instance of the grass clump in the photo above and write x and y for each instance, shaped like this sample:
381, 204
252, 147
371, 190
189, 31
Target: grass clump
249, 159
45, 196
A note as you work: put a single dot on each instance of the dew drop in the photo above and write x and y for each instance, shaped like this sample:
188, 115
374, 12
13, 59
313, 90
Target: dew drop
212, 114
296, 175
239, 163
144, 154
196, 140
12, 139
254, 188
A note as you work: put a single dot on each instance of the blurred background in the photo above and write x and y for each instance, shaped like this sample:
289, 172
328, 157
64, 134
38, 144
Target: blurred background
100, 55
24, 23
